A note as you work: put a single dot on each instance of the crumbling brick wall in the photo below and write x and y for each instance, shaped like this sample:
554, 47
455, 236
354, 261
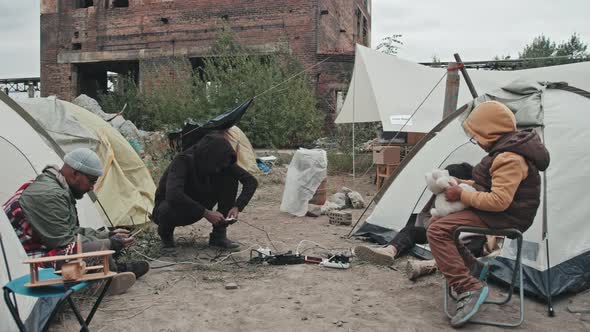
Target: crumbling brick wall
74, 34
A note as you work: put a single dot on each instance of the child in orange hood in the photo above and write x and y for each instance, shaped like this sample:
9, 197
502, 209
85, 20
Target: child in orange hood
508, 195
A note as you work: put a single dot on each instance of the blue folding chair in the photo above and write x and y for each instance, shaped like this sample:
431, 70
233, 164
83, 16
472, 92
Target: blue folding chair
63, 291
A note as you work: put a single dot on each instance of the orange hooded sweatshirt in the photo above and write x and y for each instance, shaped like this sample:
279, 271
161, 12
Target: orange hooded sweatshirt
487, 123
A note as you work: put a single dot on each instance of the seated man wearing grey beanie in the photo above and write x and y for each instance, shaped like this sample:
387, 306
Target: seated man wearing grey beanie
43, 215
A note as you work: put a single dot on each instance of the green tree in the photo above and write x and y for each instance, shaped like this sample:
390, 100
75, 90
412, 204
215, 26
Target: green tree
540, 47
543, 47
390, 45
574, 47
283, 115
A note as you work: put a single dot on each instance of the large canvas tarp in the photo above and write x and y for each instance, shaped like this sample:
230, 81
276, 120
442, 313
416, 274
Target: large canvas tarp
192, 132
389, 89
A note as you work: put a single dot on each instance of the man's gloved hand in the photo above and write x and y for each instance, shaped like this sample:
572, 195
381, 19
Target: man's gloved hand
120, 241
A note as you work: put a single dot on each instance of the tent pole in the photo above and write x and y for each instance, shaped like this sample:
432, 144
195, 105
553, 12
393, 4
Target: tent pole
550, 309
466, 76
353, 154
7, 269
93, 196
353, 119
451, 90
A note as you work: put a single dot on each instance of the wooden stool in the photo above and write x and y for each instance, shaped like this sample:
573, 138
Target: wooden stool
383, 173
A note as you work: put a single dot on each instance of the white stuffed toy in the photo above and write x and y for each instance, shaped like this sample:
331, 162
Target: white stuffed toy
438, 181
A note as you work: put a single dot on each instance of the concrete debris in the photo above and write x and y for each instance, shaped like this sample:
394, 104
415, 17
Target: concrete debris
125, 127
327, 207
345, 198
345, 190
356, 200
231, 285
339, 199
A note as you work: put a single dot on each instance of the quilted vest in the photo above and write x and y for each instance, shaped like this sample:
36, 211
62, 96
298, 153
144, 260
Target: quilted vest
523, 208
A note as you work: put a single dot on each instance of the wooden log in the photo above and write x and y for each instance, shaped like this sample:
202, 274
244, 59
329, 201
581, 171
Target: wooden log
452, 90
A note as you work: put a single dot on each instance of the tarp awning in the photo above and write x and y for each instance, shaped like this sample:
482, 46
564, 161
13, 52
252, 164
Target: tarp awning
389, 89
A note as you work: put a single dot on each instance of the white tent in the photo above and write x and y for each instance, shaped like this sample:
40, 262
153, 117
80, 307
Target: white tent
389, 89
15, 255
562, 118
26, 149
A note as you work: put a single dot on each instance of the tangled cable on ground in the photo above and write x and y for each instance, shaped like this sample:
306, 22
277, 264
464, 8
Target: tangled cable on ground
172, 263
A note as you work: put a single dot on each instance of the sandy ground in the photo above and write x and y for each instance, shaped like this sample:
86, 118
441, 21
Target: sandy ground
190, 297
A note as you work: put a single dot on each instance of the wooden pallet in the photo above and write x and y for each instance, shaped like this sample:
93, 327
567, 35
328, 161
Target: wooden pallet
383, 172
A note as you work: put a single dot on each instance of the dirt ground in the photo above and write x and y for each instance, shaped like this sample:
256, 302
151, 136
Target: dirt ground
193, 297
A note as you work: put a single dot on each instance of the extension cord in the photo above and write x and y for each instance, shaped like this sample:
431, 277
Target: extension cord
334, 265
265, 252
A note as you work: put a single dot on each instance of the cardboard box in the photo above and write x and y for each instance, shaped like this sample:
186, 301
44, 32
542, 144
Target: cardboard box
386, 155
414, 138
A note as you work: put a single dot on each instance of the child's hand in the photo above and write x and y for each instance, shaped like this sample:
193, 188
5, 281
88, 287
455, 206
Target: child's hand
453, 194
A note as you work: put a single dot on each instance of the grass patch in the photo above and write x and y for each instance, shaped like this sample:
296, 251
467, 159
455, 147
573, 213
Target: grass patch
341, 162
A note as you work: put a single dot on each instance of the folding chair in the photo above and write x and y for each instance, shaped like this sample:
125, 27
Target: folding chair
64, 291
511, 233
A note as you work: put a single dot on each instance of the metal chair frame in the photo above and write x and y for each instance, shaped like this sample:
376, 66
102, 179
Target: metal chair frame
516, 271
69, 289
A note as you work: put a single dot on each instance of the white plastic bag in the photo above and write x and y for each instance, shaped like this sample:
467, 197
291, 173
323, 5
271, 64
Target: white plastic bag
307, 170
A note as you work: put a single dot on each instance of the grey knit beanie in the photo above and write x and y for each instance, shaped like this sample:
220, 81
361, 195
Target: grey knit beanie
84, 160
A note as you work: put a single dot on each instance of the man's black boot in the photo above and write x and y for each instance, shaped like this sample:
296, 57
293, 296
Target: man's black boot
218, 238
139, 268
166, 235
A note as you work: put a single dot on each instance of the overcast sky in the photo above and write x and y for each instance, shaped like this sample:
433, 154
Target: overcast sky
476, 29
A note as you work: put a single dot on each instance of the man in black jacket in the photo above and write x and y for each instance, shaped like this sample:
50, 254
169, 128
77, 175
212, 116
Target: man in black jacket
195, 181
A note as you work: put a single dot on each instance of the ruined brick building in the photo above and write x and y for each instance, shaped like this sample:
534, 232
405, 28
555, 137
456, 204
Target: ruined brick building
82, 40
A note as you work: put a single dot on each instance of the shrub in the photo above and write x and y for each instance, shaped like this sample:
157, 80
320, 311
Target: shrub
283, 114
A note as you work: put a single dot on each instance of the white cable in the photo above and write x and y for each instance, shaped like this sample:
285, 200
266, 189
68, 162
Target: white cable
317, 244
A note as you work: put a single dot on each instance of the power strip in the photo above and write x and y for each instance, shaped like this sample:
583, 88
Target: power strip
335, 265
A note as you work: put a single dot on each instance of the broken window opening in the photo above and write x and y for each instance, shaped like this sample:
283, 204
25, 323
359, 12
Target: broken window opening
339, 100
76, 46
84, 3
357, 32
94, 79
120, 3
365, 32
